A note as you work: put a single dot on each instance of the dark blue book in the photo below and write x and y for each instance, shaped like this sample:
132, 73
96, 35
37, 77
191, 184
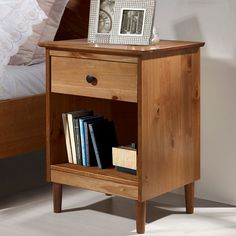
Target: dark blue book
89, 150
103, 137
82, 138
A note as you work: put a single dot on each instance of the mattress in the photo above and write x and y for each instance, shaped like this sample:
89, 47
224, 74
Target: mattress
22, 81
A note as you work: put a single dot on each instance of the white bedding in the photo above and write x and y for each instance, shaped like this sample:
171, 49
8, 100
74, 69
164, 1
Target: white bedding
16, 21
22, 81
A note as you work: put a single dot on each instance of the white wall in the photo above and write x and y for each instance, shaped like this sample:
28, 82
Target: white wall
214, 22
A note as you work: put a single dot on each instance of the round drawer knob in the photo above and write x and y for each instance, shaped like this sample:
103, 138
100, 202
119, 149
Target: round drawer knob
91, 79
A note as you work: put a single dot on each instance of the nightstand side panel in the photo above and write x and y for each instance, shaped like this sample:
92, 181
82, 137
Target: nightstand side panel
169, 129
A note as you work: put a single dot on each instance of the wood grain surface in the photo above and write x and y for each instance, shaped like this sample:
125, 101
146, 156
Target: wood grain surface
115, 80
164, 46
57, 197
104, 185
189, 198
140, 217
169, 129
22, 125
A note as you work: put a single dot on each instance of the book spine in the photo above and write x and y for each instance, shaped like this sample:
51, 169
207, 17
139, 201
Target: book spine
95, 145
72, 137
67, 137
77, 141
82, 139
86, 134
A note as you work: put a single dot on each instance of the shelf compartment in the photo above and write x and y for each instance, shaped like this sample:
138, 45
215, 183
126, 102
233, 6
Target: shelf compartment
102, 180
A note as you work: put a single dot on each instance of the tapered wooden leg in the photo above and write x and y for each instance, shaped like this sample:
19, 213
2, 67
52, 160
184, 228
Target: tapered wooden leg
57, 197
189, 197
140, 217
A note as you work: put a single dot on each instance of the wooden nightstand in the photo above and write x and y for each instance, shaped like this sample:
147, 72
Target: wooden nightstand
152, 93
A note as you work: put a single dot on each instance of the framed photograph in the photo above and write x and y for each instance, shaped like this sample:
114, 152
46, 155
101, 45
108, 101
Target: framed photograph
101, 20
133, 22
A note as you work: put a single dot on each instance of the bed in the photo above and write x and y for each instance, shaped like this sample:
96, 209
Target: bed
22, 126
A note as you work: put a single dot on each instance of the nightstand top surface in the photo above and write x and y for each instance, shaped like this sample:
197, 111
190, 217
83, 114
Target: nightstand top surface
83, 45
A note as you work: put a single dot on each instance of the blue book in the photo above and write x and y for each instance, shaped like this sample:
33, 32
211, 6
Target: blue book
89, 151
95, 145
82, 139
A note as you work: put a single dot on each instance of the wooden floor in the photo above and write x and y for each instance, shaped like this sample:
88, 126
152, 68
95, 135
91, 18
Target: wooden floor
88, 213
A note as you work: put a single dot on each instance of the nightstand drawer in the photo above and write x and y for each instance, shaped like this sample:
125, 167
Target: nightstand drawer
94, 78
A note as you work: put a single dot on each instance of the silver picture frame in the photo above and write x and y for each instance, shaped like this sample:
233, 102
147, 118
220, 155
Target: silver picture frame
101, 20
133, 22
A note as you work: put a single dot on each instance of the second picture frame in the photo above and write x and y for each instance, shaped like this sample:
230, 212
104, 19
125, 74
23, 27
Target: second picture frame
121, 22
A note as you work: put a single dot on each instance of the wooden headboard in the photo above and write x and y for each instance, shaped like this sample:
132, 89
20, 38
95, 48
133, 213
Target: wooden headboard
74, 23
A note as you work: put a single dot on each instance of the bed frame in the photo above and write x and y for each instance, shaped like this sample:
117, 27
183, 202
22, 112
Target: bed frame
22, 126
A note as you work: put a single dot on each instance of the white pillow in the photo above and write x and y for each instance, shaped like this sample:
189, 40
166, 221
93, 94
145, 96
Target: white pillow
30, 52
16, 21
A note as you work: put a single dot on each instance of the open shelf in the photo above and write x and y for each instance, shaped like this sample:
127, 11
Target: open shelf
109, 174
102, 180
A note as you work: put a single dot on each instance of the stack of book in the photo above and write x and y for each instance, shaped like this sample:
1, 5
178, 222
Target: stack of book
89, 138
124, 158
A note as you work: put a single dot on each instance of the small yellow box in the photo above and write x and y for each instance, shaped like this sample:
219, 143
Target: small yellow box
124, 157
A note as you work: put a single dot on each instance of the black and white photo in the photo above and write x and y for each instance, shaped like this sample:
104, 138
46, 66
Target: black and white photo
132, 21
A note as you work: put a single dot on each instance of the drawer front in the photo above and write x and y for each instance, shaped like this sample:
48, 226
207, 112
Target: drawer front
113, 80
